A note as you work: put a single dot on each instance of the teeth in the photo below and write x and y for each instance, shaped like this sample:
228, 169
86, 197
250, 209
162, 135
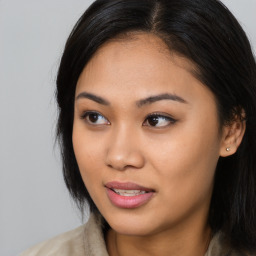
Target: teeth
123, 192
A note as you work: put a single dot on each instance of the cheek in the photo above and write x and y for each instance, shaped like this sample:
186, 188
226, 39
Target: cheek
88, 152
88, 156
186, 162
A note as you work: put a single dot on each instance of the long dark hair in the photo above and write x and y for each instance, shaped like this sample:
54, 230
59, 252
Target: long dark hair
205, 32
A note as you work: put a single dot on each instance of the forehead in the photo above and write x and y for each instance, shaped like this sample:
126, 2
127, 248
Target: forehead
134, 56
145, 42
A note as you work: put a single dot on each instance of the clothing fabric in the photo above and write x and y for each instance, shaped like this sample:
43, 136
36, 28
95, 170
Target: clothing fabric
88, 240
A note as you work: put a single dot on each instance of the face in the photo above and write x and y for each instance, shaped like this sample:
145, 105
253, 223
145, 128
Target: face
146, 137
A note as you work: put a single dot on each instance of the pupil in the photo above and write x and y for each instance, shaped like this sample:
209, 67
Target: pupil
93, 118
153, 121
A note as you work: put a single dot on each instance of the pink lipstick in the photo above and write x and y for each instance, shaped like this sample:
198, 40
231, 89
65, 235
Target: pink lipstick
128, 195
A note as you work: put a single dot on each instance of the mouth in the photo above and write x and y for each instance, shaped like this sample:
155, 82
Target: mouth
124, 192
128, 195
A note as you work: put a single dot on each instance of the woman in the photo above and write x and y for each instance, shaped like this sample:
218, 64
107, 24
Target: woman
157, 105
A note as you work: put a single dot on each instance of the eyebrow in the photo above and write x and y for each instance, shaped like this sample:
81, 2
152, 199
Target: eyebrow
139, 103
98, 99
164, 96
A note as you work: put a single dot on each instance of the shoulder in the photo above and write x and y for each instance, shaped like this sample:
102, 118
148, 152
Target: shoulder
82, 241
60, 245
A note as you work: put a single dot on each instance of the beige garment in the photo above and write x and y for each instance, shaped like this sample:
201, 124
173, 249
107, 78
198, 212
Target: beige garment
88, 240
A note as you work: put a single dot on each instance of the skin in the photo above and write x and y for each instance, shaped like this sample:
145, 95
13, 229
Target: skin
175, 158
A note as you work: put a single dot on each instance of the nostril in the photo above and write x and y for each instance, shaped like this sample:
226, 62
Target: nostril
122, 155
119, 167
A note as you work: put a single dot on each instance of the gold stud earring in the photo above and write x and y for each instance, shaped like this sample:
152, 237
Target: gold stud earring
228, 149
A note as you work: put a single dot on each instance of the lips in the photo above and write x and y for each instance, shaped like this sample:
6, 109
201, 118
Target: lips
128, 195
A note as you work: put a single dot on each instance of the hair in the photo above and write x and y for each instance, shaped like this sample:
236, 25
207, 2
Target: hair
206, 33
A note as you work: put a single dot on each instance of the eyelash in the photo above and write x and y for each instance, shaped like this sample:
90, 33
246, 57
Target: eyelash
158, 116
154, 118
86, 114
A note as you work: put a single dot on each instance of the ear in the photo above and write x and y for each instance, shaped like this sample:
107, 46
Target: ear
232, 135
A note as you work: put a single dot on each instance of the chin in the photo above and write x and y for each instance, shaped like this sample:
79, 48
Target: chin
131, 224
131, 230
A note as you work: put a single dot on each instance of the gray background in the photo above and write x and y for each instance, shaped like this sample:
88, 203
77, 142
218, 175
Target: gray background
34, 203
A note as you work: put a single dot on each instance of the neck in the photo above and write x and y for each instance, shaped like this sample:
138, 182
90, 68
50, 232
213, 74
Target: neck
187, 241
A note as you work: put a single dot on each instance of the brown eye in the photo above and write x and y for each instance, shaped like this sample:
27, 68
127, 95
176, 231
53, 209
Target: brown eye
95, 118
153, 120
158, 121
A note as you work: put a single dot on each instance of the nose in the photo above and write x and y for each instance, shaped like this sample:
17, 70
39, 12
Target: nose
123, 151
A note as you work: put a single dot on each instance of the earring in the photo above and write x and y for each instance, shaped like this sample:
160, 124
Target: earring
228, 149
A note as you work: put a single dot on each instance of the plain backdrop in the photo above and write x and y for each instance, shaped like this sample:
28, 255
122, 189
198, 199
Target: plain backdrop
34, 203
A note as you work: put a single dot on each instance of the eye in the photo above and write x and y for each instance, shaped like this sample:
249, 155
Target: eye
158, 120
95, 118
